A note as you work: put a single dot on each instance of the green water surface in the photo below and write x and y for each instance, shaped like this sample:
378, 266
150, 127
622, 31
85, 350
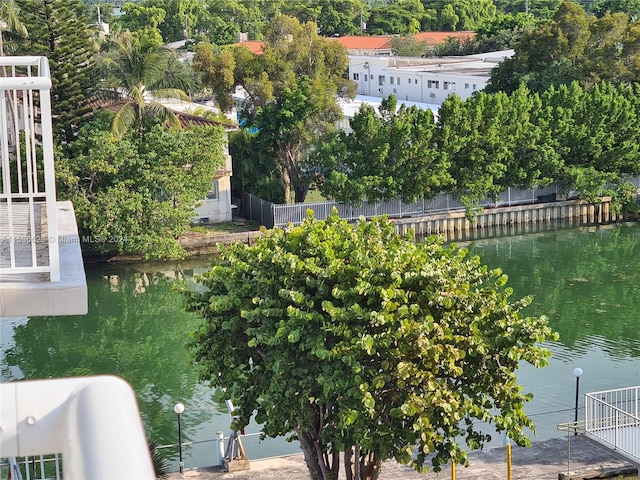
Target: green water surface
586, 280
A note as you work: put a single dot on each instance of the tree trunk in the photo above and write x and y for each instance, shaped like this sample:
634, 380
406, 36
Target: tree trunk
300, 192
370, 466
286, 179
365, 467
322, 465
291, 176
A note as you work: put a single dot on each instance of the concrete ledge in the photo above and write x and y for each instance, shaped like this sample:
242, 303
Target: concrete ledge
34, 295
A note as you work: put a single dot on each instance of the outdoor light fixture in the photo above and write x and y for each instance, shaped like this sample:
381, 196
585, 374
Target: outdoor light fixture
577, 372
179, 408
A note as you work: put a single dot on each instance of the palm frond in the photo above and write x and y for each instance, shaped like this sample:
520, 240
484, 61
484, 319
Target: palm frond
124, 119
164, 114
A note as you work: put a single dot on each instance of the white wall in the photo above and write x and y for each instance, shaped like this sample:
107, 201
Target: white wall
217, 207
426, 83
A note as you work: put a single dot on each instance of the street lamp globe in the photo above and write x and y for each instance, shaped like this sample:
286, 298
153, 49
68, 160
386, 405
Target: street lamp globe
179, 407
577, 372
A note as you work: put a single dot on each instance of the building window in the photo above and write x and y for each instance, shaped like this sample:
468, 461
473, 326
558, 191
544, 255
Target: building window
398, 80
213, 193
395, 90
392, 80
435, 84
466, 86
449, 85
356, 76
381, 79
475, 87
365, 77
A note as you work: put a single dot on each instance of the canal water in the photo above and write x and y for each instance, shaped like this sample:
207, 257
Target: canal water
586, 280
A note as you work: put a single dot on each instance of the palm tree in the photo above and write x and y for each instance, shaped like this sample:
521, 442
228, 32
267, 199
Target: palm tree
9, 21
139, 72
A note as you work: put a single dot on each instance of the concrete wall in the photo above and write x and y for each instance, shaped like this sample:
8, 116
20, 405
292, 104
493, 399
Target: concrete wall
454, 226
509, 220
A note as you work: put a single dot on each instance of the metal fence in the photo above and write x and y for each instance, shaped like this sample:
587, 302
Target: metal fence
613, 416
40, 467
27, 182
279, 215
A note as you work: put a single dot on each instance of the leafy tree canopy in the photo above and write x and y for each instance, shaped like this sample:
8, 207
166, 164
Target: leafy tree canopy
388, 154
137, 193
58, 29
573, 46
292, 91
354, 339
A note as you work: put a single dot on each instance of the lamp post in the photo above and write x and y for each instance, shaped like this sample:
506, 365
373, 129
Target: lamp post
179, 408
577, 372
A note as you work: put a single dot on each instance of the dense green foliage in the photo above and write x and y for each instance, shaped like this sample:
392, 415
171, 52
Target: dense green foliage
135, 195
58, 29
576, 46
587, 141
360, 341
292, 91
389, 154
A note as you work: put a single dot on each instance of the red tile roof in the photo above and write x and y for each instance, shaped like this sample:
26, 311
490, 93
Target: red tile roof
365, 43
254, 45
433, 38
378, 42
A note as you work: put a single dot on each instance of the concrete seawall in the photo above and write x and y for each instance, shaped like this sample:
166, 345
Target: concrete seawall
454, 226
508, 220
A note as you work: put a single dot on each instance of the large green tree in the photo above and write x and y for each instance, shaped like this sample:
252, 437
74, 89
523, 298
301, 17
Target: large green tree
389, 153
134, 195
353, 339
575, 46
292, 92
58, 29
494, 142
138, 72
401, 17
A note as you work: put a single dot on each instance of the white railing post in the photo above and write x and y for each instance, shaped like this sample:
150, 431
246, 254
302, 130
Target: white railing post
220, 448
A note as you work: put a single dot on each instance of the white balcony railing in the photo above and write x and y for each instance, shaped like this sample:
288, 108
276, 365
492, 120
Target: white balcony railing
28, 229
613, 416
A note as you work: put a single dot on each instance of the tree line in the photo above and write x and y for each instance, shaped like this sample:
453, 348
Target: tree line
583, 140
293, 92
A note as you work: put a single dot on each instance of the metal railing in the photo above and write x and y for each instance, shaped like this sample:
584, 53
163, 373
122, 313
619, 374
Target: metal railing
93, 422
28, 233
279, 215
42, 467
613, 416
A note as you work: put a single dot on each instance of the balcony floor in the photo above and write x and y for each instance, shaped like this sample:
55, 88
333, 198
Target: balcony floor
32, 294
27, 237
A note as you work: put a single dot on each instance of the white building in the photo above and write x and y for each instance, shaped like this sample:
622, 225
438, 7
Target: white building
423, 80
350, 108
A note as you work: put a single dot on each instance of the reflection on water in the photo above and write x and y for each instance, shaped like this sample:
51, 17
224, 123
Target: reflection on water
587, 281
